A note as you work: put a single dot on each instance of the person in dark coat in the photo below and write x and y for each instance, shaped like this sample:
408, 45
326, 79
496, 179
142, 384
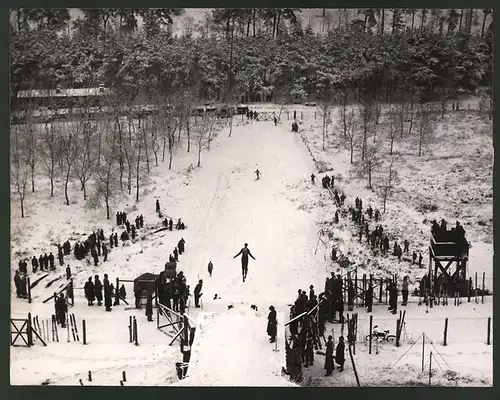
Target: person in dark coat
122, 292
104, 252
180, 245
51, 261
117, 218
339, 354
245, 252
197, 293
170, 224
108, 293
93, 252
40, 262
141, 221
176, 255
68, 273
60, 255
34, 264
272, 324
158, 206
23, 267
210, 267
89, 292
17, 283
127, 226
350, 295
132, 231
61, 310
111, 240
137, 222
369, 298
313, 177
329, 365
115, 237
98, 290
46, 262
124, 236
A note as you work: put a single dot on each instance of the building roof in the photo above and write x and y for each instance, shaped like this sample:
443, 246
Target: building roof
44, 93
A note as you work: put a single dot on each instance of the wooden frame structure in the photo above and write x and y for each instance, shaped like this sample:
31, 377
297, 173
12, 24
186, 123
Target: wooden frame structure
442, 255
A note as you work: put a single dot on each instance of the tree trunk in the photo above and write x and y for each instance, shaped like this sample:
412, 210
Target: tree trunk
137, 175
33, 175
461, 19
51, 186
369, 178
170, 152
188, 131
469, 27
352, 153
413, 19
66, 184
274, 25
249, 23
278, 22
382, 23
254, 20
484, 24
392, 145
84, 187
106, 199
364, 24
199, 152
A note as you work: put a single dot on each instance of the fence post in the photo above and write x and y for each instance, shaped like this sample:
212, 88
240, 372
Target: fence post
117, 292
475, 287
488, 342
90, 376
84, 329
29, 332
398, 323
381, 291
301, 115
423, 351
130, 330
124, 376
445, 332
430, 368
356, 285
135, 332
354, 367
370, 333
482, 293
72, 292
469, 289
29, 289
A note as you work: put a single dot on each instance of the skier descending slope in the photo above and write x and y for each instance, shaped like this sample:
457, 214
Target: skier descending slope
257, 172
245, 252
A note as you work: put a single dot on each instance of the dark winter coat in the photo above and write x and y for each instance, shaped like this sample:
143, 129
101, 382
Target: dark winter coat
272, 324
98, 289
89, 291
339, 353
329, 366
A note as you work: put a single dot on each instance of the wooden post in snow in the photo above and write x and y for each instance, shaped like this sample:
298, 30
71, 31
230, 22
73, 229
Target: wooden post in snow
469, 288
28, 283
482, 293
117, 292
488, 342
354, 367
475, 288
430, 368
445, 332
423, 351
84, 329
381, 291
136, 336
370, 341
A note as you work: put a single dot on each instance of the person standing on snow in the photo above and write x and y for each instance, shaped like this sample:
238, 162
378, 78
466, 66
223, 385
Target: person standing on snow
245, 252
257, 172
210, 267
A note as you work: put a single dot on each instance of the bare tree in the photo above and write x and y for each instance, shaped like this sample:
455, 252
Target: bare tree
426, 129
370, 164
50, 153
352, 133
84, 162
325, 110
106, 182
32, 143
394, 122
201, 132
20, 167
367, 119
69, 152
344, 109
387, 185
138, 151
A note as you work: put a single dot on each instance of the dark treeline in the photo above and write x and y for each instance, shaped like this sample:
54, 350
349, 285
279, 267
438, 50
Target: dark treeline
429, 54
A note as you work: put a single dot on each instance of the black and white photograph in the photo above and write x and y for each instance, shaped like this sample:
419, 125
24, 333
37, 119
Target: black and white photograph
251, 197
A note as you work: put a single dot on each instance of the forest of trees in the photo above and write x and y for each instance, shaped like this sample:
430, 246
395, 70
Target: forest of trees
438, 56
133, 52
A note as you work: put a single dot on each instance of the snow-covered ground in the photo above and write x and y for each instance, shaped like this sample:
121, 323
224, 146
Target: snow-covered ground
234, 339
223, 206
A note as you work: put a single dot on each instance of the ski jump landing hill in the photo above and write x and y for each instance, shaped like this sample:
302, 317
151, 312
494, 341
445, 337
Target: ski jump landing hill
232, 348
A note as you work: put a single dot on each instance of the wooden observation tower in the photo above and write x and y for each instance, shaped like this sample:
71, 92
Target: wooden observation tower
448, 249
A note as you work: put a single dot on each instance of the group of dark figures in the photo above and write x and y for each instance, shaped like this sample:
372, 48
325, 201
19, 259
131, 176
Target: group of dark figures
94, 291
169, 223
455, 235
307, 330
130, 229
174, 293
253, 115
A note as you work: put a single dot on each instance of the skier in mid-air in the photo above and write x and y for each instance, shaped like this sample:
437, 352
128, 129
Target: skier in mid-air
245, 252
257, 172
